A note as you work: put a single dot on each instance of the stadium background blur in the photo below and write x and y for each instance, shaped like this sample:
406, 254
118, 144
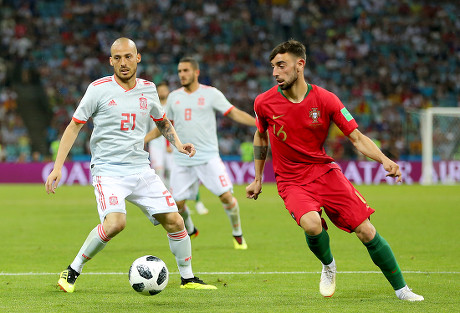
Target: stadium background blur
384, 59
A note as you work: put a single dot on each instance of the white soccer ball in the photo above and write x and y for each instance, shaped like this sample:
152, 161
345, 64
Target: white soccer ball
148, 275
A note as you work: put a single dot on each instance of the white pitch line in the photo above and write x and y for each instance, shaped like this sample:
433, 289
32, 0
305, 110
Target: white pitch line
233, 273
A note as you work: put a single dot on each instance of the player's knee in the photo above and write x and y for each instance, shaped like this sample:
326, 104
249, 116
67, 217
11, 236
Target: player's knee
311, 223
365, 231
226, 198
112, 229
114, 224
173, 223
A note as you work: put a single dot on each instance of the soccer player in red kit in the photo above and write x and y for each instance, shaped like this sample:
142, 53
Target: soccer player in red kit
296, 116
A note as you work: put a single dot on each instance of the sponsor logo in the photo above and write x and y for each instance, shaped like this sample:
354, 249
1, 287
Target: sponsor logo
86, 257
315, 114
112, 103
113, 200
143, 103
276, 117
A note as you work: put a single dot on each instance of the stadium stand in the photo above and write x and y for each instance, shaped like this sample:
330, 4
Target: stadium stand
384, 59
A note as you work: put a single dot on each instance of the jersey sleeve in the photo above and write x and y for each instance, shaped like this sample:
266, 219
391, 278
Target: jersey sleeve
340, 115
261, 122
87, 105
220, 102
156, 111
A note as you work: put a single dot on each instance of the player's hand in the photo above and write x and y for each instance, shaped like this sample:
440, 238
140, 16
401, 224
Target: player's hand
188, 149
254, 189
393, 169
53, 181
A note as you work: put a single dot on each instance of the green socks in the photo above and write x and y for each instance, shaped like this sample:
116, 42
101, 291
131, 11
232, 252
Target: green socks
384, 258
319, 245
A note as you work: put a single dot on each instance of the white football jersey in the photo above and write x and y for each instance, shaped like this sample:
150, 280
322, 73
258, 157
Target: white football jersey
121, 121
194, 116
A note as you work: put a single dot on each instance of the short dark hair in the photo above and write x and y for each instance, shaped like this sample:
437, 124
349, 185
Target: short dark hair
163, 83
291, 46
192, 61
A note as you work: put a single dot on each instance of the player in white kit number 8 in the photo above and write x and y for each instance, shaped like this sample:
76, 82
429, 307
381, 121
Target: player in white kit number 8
192, 109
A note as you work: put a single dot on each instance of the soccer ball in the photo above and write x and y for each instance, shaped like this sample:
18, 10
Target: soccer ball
148, 275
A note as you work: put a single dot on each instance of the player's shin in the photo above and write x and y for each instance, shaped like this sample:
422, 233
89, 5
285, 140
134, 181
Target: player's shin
188, 220
233, 213
384, 258
179, 243
95, 242
319, 245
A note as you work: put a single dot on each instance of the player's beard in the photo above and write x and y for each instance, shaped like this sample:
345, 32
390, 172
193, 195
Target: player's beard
188, 82
289, 83
125, 79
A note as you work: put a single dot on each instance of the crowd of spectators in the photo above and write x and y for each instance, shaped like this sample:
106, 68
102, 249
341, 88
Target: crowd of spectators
384, 59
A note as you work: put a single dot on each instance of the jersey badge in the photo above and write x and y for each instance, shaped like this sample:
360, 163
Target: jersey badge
201, 101
346, 114
143, 103
113, 200
112, 103
315, 114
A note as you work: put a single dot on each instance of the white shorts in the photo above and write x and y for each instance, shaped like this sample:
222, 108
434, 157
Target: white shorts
145, 190
185, 179
160, 158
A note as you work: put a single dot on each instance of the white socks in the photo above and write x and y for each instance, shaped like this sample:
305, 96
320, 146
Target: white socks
95, 242
180, 246
233, 213
188, 220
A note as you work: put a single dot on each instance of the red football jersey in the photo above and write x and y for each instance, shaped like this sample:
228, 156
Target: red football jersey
297, 131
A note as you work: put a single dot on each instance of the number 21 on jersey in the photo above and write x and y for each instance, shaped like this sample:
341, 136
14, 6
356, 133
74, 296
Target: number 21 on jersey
128, 118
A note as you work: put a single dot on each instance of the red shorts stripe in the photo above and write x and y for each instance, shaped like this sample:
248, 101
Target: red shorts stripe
101, 193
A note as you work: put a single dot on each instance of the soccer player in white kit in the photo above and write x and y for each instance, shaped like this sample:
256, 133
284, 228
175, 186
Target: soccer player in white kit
192, 109
121, 106
159, 149
161, 153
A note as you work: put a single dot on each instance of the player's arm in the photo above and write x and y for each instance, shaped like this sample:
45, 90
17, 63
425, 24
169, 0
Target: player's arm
168, 131
241, 117
260, 155
367, 147
154, 133
66, 143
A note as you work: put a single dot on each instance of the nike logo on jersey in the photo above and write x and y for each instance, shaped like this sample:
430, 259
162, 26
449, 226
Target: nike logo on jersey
275, 117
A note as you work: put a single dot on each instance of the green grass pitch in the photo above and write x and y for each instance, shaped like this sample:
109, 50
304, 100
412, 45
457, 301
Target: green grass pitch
40, 235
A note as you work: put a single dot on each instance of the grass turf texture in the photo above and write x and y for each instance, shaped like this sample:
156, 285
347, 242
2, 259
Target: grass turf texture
41, 234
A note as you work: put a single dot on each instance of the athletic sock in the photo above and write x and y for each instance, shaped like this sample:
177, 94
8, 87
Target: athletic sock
95, 242
319, 245
180, 246
233, 213
383, 257
188, 220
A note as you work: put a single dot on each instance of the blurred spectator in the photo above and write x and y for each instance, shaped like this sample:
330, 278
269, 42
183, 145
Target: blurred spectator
382, 58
